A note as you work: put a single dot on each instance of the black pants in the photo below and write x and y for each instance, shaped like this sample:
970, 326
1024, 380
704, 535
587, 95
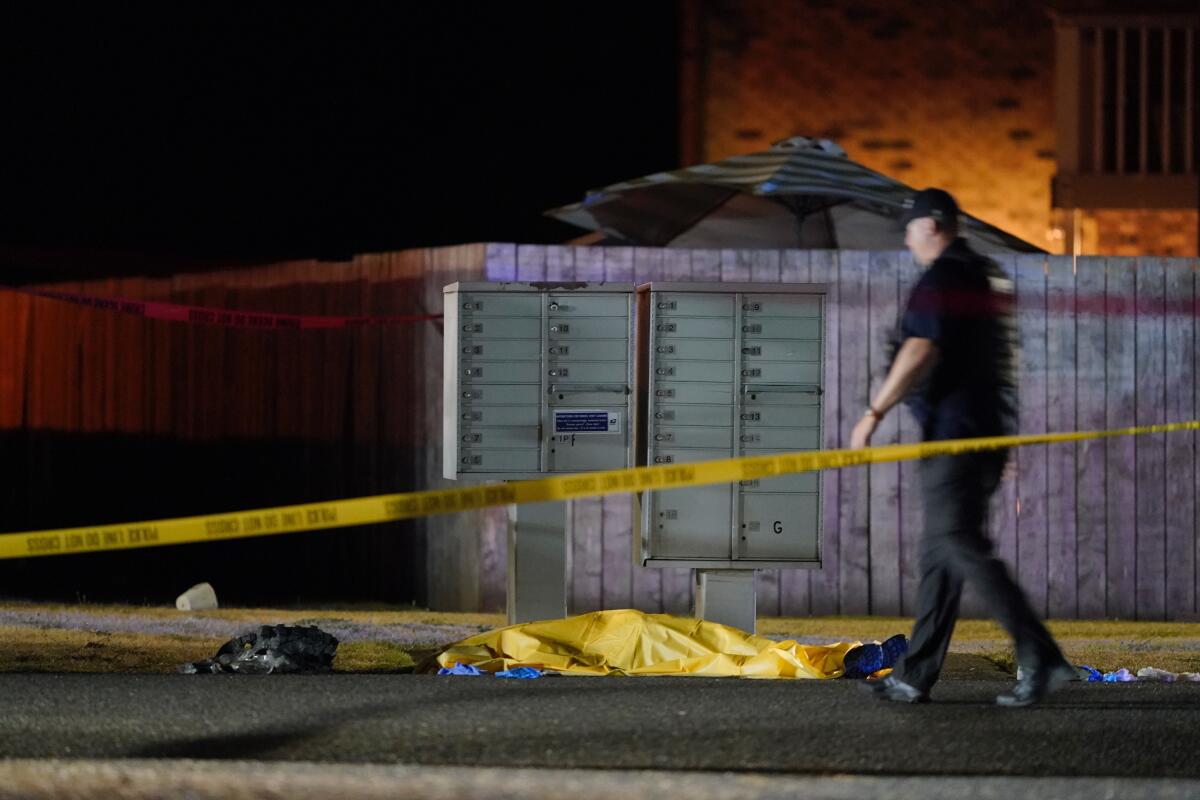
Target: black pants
956, 548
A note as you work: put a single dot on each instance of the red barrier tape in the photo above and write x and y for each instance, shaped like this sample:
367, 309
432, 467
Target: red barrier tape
199, 315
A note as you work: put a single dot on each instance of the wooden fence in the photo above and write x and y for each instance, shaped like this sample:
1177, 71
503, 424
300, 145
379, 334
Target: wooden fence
1098, 529
108, 417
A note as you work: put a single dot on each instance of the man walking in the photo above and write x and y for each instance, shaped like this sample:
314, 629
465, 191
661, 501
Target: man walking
956, 368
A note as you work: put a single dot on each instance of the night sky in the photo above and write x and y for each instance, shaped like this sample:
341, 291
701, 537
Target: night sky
256, 133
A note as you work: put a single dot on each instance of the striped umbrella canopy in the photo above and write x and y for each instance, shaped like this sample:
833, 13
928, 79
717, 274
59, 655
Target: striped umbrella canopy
802, 193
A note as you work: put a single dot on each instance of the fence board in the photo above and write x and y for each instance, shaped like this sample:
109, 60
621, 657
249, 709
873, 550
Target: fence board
825, 583
616, 521
676, 266
706, 265
616, 550
794, 583
855, 337
676, 582
14, 370
764, 266
1196, 414
911, 506
589, 264
735, 266
1120, 453
1151, 571
531, 262
587, 556
883, 480
500, 262
560, 263
648, 264
1002, 524
1091, 463
1062, 601
1004, 504
1031, 461
1181, 462
618, 264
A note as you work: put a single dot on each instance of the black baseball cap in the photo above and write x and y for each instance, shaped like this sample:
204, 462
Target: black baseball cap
936, 203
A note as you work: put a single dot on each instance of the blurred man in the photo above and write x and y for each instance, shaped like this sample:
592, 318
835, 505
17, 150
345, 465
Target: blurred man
955, 366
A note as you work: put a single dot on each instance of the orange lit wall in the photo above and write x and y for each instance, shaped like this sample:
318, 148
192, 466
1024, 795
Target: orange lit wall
953, 94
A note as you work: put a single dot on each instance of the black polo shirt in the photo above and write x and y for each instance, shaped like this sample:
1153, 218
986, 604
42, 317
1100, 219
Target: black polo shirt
964, 304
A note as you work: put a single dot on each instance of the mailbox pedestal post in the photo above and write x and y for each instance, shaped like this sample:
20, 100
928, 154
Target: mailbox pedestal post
537, 561
726, 596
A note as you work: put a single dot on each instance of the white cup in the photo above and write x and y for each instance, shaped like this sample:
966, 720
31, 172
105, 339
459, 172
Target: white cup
198, 598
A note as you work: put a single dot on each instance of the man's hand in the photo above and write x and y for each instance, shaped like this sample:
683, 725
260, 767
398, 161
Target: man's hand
861, 435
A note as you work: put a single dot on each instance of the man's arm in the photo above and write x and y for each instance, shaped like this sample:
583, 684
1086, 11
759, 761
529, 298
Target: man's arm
913, 362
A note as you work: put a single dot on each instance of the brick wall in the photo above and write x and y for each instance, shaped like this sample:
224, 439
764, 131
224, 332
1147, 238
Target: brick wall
951, 93
1132, 232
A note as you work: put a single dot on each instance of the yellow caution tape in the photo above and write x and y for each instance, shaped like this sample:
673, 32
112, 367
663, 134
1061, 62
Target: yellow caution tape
389, 507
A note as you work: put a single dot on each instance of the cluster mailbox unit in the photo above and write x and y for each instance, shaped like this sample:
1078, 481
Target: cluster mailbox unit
540, 380
729, 370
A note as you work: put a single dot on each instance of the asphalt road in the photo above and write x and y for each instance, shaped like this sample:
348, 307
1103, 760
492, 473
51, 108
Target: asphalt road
814, 727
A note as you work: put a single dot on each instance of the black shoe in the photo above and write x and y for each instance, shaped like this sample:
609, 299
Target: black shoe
893, 689
1033, 687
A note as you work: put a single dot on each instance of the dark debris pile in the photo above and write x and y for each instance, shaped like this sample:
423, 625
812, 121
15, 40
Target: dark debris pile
271, 649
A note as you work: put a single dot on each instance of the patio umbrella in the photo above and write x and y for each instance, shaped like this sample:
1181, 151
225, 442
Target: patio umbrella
802, 193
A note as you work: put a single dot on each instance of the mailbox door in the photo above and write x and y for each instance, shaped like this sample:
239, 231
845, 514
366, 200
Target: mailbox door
582, 328
782, 372
779, 439
696, 349
691, 523
778, 526
473, 305
482, 461
708, 416
780, 328
692, 304
495, 395
694, 371
491, 350
472, 373
596, 350
758, 417
674, 393
707, 437
569, 305
500, 416
588, 451
808, 350
667, 328
780, 304
590, 372
484, 329
500, 438
588, 382
494, 378
794, 482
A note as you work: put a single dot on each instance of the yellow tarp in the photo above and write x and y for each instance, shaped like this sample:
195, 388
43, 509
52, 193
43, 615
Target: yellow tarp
628, 642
